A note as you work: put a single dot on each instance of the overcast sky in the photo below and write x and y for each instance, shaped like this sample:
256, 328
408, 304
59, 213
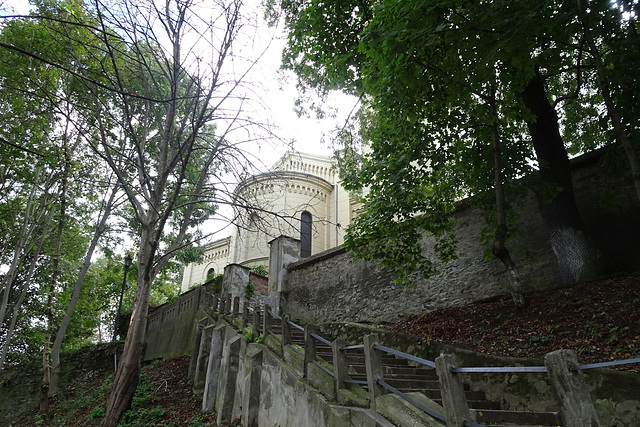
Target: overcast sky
278, 90
278, 93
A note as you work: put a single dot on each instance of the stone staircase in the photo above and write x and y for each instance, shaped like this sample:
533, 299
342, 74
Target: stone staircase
401, 374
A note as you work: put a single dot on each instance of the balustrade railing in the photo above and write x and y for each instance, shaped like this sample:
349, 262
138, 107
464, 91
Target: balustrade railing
451, 387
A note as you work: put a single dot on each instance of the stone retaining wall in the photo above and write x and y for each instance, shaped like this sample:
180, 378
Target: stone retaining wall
170, 326
331, 286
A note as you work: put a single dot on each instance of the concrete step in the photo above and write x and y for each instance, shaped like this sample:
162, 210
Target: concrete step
502, 417
471, 395
477, 404
387, 360
404, 384
421, 380
407, 372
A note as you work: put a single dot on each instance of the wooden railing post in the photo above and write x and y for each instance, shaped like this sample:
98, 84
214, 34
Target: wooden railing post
570, 388
373, 363
309, 348
454, 400
340, 365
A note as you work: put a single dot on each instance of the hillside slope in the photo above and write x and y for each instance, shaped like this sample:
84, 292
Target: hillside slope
599, 320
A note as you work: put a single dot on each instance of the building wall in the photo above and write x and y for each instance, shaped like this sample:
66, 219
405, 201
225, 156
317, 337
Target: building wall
216, 257
296, 183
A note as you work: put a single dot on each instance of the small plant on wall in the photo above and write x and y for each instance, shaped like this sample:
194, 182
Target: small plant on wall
249, 290
214, 280
260, 270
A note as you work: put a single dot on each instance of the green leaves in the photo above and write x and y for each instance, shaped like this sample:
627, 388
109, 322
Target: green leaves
427, 71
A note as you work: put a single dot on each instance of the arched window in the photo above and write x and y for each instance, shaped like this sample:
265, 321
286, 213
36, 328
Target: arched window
210, 274
305, 234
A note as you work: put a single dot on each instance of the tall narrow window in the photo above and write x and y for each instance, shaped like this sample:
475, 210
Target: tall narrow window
210, 274
305, 234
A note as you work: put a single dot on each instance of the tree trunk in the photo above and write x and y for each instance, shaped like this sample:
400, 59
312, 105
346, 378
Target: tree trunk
127, 374
62, 330
499, 249
46, 352
26, 230
577, 256
603, 83
16, 308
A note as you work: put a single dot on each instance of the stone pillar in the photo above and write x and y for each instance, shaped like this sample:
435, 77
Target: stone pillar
340, 365
198, 297
570, 388
283, 252
236, 306
235, 281
229, 366
256, 320
228, 304
266, 319
213, 369
199, 377
309, 348
245, 315
454, 399
253, 374
373, 363
195, 350
286, 331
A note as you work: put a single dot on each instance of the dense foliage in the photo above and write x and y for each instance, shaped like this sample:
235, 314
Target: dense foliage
120, 117
463, 97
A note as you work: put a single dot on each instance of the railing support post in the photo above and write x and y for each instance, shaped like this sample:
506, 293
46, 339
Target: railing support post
373, 363
286, 331
236, 306
570, 388
340, 366
454, 400
256, 320
309, 348
266, 319
245, 315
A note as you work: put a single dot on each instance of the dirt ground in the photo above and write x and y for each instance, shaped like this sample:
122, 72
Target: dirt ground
599, 320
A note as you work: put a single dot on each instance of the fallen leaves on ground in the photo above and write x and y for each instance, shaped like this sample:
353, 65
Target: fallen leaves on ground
599, 320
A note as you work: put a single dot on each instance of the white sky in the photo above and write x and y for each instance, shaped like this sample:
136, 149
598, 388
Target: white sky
278, 93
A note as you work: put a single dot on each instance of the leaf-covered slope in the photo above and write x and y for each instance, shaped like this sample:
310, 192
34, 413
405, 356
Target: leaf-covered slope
599, 320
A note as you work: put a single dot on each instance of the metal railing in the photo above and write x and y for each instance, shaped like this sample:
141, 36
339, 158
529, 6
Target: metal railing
262, 320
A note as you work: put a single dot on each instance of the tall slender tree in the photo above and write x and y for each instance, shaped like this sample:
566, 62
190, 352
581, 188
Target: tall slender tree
158, 98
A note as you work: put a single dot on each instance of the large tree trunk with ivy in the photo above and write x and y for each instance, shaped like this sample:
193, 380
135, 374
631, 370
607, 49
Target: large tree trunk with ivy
577, 256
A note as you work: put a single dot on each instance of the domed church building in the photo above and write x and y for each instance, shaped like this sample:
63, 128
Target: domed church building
300, 197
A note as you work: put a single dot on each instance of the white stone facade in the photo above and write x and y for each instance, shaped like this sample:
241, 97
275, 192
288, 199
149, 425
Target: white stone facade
275, 202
